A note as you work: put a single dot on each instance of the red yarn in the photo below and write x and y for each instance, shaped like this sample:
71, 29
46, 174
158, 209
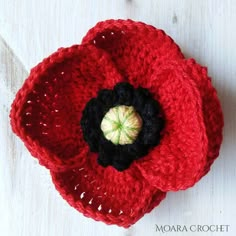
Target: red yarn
47, 109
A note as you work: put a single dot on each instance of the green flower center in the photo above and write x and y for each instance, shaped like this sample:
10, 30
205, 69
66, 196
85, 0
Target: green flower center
121, 125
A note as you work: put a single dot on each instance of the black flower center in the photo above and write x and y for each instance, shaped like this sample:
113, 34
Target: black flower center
121, 125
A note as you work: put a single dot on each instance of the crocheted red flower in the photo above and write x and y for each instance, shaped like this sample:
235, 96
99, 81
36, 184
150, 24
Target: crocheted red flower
120, 120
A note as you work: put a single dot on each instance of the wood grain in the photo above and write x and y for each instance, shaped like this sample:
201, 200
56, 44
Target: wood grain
205, 30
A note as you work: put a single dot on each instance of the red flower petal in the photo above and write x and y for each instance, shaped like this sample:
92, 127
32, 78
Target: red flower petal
47, 110
133, 46
183, 155
107, 195
212, 112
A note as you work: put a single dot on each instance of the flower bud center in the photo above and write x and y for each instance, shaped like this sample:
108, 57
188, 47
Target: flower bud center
121, 125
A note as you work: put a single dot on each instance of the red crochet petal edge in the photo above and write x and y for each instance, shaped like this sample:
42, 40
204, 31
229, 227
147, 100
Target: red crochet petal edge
46, 108
181, 157
212, 111
107, 195
132, 45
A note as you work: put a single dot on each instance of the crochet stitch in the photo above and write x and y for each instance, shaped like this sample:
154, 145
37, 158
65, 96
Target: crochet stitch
59, 110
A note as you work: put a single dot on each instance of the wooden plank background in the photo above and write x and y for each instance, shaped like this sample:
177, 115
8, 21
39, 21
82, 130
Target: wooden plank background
30, 30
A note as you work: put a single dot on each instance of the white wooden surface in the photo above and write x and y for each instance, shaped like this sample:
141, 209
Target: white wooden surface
205, 30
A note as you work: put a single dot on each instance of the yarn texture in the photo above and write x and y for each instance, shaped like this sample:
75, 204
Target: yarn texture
121, 125
120, 120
